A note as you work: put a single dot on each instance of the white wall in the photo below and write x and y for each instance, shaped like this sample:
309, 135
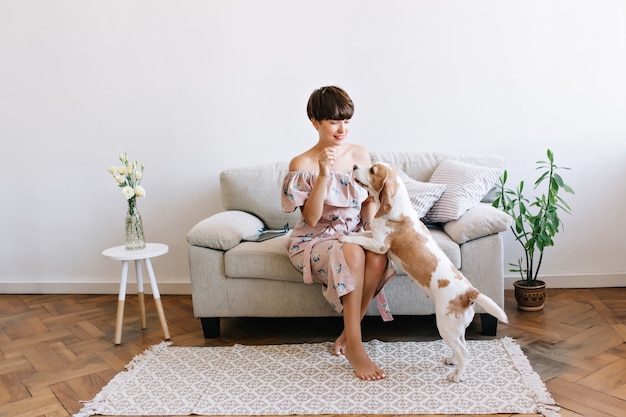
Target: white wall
194, 87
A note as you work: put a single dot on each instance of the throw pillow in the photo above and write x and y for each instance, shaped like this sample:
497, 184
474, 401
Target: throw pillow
423, 195
466, 185
224, 230
482, 220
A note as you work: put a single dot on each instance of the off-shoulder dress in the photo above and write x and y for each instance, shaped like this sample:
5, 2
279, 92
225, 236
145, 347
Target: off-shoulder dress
316, 250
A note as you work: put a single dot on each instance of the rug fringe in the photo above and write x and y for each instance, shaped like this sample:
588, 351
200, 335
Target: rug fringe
151, 351
91, 407
545, 403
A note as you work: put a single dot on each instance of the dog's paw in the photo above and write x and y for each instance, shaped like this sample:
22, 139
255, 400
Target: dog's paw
344, 239
455, 376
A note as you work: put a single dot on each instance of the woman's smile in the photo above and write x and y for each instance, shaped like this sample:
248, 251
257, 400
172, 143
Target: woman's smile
335, 130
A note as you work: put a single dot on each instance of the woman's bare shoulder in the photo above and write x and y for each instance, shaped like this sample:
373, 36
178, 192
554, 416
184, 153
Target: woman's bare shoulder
303, 162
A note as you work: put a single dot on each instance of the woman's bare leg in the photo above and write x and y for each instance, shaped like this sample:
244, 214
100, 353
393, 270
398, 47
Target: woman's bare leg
375, 266
353, 311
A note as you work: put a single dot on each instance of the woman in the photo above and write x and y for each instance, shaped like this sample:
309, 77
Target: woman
320, 183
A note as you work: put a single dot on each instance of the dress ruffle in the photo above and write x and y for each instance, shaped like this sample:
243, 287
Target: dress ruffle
341, 190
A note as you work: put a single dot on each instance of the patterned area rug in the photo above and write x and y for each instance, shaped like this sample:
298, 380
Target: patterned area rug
307, 379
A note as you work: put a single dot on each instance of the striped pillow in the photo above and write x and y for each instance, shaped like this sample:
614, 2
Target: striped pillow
466, 185
423, 195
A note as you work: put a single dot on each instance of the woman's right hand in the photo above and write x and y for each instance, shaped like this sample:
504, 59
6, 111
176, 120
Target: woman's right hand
326, 160
314, 205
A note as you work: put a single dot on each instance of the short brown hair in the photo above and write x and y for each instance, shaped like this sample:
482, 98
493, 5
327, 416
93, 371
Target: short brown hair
330, 103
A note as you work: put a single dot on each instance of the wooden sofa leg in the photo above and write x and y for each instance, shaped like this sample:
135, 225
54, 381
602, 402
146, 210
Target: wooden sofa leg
489, 324
210, 327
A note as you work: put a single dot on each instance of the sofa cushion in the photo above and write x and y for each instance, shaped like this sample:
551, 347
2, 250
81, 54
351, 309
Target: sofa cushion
423, 195
269, 260
257, 190
265, 260
224, 230
479, 221
466, 185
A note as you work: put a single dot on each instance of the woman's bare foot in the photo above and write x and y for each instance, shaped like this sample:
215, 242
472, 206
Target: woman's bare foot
340, 345
363, 366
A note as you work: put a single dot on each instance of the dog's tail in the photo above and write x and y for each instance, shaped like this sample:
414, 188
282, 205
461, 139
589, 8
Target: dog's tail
491, 307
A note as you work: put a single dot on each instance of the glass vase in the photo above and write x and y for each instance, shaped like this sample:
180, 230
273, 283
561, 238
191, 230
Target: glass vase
134, 229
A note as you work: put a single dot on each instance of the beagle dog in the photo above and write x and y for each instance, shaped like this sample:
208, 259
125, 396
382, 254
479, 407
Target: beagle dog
397, 229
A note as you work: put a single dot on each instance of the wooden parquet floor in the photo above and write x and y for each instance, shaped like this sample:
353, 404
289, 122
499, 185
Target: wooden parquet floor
56, 350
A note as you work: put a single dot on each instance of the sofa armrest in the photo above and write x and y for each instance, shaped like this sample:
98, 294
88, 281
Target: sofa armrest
224, 230
479, 221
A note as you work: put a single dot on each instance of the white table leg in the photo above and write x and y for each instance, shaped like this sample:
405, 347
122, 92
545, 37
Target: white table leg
140, 295
120, 304
157, 299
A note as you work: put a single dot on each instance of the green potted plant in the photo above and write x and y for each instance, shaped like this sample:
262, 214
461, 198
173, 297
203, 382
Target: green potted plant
535, 223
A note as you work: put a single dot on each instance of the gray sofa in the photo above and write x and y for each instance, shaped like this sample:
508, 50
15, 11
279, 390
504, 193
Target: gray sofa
232, 277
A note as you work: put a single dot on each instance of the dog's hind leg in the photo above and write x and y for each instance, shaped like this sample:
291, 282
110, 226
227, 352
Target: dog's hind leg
461, 354
455, 340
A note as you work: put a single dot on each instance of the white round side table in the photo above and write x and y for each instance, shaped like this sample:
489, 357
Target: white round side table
120, 253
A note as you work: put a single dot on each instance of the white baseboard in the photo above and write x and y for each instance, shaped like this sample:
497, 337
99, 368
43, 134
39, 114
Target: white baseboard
604, 280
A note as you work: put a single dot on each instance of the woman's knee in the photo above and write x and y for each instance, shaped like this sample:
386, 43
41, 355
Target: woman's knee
354, 254
375, 262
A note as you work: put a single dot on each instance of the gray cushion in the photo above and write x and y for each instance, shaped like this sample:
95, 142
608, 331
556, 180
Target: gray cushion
264, 260
482, 220
257, 191
224, 230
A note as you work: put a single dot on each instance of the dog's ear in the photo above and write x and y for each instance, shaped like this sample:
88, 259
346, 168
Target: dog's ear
385, 196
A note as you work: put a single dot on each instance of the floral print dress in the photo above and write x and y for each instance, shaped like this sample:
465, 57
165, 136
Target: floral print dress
316, 250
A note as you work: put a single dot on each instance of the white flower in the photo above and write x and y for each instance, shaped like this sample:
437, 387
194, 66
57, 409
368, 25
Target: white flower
128, 192
139, 191
128, 177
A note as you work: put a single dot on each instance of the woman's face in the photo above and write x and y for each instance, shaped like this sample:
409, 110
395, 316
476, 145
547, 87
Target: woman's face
332, 132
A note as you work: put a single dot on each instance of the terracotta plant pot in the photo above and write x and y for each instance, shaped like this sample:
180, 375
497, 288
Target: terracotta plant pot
530, 298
